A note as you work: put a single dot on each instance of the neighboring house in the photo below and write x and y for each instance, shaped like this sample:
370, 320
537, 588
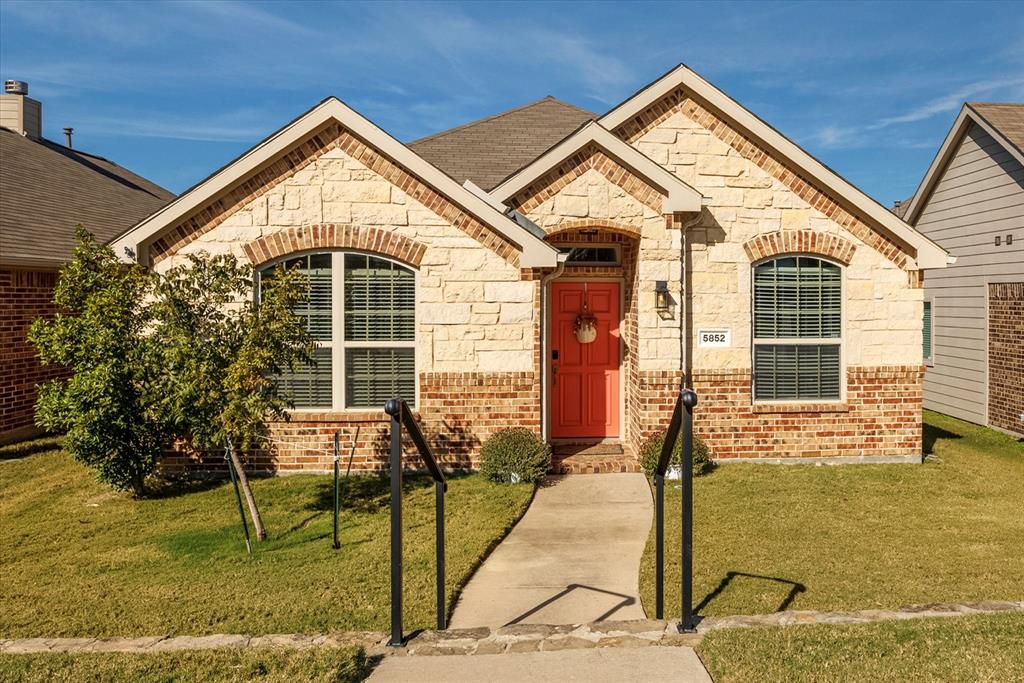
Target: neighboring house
45, 190
971, 202
678, 232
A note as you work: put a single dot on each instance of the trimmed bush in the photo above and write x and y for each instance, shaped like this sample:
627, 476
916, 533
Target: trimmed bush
651, 451
515, 452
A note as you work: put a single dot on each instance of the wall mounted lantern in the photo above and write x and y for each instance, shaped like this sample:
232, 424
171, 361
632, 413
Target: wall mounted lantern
663, 303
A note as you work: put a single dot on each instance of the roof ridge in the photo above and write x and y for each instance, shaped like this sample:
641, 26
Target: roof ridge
998, 104
546, 98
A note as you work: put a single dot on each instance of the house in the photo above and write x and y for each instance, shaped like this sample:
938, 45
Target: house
570, 287
971, 201
45, 190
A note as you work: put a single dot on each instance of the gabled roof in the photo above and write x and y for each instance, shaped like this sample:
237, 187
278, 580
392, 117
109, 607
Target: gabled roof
1004, 122
678, 195
929, 254
488, 150
535, 252
47, 189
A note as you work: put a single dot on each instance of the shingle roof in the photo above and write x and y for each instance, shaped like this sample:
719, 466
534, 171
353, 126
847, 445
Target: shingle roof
46, 189
489, 150
1007, 118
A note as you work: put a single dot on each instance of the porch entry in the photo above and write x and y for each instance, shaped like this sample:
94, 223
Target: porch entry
585, 381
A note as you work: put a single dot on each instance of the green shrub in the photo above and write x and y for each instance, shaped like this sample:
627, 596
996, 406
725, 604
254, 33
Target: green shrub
651, 451
515, 452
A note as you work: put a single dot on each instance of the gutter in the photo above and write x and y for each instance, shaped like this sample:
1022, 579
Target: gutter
559, 269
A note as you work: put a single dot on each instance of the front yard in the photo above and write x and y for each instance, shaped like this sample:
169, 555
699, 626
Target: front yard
768, 538
80, 560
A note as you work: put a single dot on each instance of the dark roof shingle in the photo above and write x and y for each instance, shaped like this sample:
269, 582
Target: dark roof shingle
489, 150
46, 189
1007, 118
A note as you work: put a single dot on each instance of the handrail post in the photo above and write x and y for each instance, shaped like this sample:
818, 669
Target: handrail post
659, 545
337, 496
689, 400
439, 487
394, 409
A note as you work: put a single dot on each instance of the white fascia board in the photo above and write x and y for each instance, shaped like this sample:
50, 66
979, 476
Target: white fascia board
964, 119
679, 197
482, 194
535, 252
929, 254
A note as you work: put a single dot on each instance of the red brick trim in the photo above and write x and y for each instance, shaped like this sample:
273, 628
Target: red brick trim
800, 242
1006, 356
772, 408
590, 157
334, 236
679, 101
328, 137
595, 224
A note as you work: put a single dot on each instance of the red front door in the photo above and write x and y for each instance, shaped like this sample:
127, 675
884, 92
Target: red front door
584, 377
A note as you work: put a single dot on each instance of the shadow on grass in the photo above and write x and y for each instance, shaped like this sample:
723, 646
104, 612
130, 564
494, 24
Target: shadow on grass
933, 434
160, 489
369, 493
795, 589
23, 449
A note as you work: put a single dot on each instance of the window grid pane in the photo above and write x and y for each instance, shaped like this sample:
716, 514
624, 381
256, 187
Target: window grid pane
310, 385
380, 299
372, 376
796, 372
926, 337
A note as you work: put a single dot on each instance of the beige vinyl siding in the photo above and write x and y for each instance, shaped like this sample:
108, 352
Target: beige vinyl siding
979, 195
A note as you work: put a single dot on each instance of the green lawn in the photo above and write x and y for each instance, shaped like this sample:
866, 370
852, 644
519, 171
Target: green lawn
975, 648
856, 536
329, 665
81, 560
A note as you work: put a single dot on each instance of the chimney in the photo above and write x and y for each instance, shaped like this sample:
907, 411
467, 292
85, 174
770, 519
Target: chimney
19, 112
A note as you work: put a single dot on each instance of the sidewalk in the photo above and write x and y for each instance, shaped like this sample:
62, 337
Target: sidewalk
573, 558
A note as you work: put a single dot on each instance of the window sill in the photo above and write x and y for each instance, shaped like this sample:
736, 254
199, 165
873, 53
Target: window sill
770, 408
336, 416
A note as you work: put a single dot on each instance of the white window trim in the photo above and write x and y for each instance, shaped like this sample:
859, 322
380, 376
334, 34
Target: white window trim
338, 328
839, 341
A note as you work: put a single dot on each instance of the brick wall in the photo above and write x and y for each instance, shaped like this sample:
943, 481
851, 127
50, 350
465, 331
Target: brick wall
457, 412
24, 296
1006, 356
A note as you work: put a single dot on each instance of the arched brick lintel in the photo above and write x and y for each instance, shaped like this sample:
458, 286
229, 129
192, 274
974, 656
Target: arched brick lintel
334, 236
595, 224
800, 242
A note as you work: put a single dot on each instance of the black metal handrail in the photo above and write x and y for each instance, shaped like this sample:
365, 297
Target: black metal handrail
401, 416
682, 418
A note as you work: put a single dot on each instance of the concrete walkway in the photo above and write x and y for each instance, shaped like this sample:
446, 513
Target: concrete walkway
573, 558
651, 665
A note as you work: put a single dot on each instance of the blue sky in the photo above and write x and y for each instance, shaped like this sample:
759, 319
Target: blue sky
175, 90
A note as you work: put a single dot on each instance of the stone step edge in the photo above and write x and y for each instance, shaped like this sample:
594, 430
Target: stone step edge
508, 639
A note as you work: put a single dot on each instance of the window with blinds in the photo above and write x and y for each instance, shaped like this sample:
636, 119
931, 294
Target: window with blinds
797, 329
926, 329
361, 311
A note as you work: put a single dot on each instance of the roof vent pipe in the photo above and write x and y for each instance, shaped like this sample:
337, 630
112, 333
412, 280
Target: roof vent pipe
67, 134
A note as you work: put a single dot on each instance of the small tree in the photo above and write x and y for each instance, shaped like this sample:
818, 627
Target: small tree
105, 407
222, 353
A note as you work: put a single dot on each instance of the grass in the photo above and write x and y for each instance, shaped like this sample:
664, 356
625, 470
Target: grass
769, 538
80, 560
975, 648
334, 665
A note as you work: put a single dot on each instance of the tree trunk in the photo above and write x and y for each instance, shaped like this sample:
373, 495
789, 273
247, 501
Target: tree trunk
254, 512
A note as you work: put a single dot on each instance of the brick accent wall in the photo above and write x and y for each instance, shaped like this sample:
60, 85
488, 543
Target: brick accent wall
1006, 356
332, 236
24, 296
800, 242
330, 137
881, 417
456, 411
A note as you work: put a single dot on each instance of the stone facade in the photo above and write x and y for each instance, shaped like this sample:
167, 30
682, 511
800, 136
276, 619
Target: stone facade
479, 315
24, 296
1006, 356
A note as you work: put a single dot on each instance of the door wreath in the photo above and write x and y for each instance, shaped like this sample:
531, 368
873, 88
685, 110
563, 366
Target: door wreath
585, 327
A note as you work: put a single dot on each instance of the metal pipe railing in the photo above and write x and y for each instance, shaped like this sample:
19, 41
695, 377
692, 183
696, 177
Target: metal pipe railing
682, 418
401, 416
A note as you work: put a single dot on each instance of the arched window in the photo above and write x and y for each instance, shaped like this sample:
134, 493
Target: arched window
361, 311
797, 329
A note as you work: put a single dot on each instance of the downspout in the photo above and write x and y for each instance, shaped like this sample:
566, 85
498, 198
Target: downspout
561, 259
685, 380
